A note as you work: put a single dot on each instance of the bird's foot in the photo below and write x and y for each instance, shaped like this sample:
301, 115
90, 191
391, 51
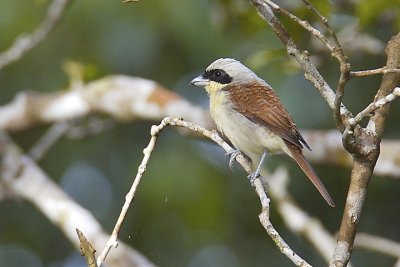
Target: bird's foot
253, 176
232, 154
256, 173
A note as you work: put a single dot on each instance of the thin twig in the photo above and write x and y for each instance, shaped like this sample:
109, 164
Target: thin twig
303, 23
24, 43
310, 71
339, 54
378, 244
344, 78
270, 229
345, 68
94, 126
213, 135
296, 219
364, 73
52, 135
129, 197
369, 110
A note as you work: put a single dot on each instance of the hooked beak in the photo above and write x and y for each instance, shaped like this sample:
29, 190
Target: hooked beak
200, 81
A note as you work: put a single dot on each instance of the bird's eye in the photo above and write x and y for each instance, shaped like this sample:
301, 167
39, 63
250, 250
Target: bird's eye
217, 75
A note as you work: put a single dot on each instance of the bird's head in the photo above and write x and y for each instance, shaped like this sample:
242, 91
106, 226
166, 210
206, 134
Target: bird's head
224, 72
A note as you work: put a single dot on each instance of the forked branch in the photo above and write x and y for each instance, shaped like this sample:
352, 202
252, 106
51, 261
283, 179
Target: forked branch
25, 43
264, 215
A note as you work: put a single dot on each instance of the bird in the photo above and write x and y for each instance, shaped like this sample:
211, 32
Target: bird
248, 112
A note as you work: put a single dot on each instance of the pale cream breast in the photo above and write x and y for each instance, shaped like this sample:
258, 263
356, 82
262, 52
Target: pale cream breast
245, 135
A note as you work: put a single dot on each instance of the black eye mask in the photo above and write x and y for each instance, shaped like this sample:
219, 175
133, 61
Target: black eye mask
218, 76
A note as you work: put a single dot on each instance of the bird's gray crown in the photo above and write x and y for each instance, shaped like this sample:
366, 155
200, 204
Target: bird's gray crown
235, 69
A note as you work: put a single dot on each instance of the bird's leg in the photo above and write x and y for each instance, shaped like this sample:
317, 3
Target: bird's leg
255, 174
232, 154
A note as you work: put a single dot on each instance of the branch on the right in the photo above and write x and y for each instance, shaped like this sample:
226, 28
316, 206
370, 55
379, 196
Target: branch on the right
362, 143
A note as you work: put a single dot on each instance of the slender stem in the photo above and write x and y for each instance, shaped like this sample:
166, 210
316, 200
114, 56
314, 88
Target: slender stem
55, 132
303, 58
25, 43
303, 23
364, 73
344, 77
371, 108
264, 216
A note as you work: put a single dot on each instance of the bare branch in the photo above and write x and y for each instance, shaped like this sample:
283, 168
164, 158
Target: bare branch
364, 144
345, 68
327, 145
327, 148
90, 127
371, 108
23, 179
378, 244
24, 43
52, 135
337, 51
270, 229
297, 220
311, 72
344, 78
122, 97
86, 249
112, 242
364, 73
264, 216
360, 175
303, 23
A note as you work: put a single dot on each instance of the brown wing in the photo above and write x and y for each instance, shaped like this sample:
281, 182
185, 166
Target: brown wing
261, 105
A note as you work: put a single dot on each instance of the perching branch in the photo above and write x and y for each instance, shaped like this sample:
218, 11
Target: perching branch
24, 43
363, 144
296, 219
264, 215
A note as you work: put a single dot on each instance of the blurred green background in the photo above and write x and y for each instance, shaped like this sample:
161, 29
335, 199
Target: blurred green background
191, 209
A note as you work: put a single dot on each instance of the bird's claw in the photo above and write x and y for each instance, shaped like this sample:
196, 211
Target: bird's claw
256, 173
232, 154
253, 176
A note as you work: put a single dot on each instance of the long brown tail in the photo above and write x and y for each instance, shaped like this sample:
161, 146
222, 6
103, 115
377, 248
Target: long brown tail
309, 171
